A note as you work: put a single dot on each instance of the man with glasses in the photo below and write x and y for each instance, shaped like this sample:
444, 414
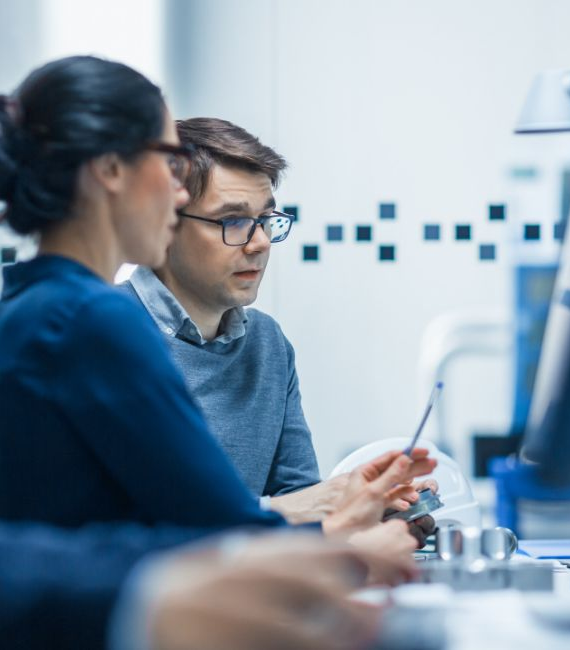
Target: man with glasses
237, 364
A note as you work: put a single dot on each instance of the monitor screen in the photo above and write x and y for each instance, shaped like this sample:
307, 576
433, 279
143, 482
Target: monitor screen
547, 435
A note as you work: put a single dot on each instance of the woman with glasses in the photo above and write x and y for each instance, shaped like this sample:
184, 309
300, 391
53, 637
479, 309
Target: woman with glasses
96, 423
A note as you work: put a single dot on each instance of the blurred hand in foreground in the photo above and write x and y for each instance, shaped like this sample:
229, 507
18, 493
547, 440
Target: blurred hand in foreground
278, 591
387, 549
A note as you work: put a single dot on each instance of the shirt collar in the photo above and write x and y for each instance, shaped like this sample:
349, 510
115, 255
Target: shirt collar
173, 319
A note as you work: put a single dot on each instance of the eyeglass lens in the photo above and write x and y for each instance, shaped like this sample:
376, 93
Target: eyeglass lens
239, 230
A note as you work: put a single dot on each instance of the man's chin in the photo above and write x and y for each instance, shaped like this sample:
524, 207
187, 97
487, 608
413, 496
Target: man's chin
242, 298
249, 300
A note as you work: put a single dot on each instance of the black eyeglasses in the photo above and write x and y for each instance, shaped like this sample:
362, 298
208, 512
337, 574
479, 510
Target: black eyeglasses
179, 158
238, 231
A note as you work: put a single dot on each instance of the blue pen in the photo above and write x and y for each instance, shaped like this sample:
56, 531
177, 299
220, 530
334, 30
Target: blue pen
432, 400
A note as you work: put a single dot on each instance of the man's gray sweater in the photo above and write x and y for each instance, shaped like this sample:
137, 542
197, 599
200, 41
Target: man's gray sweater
246, 384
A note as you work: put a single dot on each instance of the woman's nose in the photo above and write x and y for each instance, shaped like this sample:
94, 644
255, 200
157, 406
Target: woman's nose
182, 198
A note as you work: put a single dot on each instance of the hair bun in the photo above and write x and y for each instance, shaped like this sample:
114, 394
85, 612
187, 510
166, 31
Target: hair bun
17, 146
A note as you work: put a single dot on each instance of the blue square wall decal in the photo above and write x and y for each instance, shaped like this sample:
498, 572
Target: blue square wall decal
8, 255
462, 232
363, 233
532, 231
487, 252
293, 210
310, 253
431, 232
387, 211
497, 212
334, 233
387, 253
559, 229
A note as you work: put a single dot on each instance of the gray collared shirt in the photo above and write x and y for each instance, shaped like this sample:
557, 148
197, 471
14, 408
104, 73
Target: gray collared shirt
246, 384
172, 318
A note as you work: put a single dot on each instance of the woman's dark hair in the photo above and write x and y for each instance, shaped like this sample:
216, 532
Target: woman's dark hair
64, 114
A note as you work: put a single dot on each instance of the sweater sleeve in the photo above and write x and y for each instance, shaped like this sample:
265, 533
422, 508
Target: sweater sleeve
59, 587
131, 407
295, 464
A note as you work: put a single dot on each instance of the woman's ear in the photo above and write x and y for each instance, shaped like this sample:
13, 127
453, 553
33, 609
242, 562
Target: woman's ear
108, 170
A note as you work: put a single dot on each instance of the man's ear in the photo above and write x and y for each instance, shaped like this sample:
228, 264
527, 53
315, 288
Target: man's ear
108, 170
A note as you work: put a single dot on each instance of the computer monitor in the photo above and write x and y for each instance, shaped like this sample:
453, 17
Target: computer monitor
547, 434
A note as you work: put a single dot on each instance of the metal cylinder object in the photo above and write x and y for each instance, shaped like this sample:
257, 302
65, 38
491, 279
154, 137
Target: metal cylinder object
499, 543
471, 544
495, 544
449, 543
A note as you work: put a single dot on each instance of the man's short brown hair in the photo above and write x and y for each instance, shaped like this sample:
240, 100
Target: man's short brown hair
220, 142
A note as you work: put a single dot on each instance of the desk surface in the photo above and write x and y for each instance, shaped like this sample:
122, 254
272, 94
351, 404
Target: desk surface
500, 621
493, 620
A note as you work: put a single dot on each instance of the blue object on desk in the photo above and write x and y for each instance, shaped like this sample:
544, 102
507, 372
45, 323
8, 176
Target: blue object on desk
545, 549
515, 480
533, 291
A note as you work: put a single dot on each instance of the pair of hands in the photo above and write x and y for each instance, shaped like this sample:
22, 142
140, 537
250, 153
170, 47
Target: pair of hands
278, 591
290, 590
352, 505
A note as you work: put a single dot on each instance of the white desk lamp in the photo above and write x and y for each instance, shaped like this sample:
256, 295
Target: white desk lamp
547, 106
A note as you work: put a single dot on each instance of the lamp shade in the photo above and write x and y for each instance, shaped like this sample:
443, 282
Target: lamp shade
547, 106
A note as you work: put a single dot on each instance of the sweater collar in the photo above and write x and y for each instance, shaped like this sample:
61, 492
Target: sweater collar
21, 275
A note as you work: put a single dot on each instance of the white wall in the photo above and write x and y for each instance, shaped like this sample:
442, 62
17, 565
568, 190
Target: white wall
130, 31
33, 32
412, 102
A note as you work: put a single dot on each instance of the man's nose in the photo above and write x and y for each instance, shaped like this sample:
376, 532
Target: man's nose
259, 241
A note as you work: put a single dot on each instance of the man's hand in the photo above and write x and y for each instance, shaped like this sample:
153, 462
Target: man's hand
313, 503
374, 485
410, 495
422, 527
317, 502
428, 483
278, 592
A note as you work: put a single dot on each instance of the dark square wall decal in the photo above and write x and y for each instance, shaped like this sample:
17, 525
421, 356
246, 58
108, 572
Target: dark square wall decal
431, 232
8, 255
532, 231
487, 252
293, 210
497, 212
363, 233
462, 232
310, 253
334, 233
559, 229
387, 253
387, 211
